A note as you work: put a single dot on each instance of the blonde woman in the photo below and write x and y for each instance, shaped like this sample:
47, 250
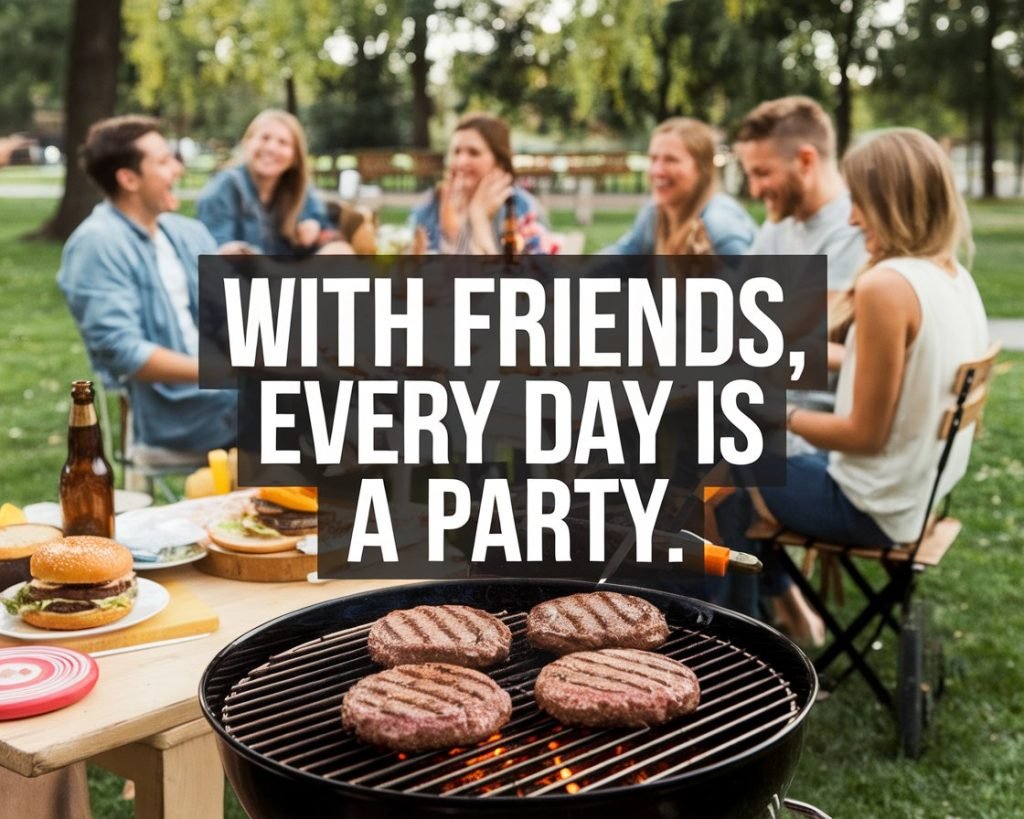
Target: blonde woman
267, 204
915, 317
688, 214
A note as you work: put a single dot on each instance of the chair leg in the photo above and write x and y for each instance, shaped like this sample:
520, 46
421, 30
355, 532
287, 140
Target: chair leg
843, 638
867, 590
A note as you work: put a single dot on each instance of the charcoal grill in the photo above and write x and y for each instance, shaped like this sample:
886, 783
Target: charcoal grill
274, 696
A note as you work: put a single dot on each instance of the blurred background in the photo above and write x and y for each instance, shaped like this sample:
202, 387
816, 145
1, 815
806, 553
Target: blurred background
378, 83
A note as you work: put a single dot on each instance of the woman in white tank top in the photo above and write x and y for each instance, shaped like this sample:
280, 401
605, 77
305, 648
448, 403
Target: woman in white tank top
916, 316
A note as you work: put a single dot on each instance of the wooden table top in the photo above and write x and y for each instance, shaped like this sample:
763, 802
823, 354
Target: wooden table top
143, 692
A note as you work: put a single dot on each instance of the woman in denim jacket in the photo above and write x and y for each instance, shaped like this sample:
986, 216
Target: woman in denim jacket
464, 214
267, 204
688, 214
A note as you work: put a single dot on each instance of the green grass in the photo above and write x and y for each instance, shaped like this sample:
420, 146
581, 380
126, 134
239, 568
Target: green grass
850, 767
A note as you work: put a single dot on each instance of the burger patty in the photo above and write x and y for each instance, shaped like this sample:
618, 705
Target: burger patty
70, 606
425, 707
615, 688
584, 622
79, 591
459, 635
285, 521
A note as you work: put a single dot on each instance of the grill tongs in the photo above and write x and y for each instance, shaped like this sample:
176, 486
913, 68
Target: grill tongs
683, 545
689, 550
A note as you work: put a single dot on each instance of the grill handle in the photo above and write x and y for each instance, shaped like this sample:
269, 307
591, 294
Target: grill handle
803, 809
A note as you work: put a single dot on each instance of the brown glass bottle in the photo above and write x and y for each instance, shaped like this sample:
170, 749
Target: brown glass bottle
86, 481
510, 231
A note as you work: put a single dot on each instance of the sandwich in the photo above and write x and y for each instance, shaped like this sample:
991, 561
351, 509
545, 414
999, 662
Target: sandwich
18, 542
276, 518
77, 582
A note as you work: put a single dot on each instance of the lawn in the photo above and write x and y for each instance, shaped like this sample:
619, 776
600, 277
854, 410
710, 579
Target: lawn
850, 767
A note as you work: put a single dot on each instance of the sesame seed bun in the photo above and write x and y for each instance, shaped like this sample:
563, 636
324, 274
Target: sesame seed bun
81, 559
62, 621
22, 539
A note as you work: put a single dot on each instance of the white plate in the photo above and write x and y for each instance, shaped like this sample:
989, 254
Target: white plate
193, 553
49, 512
125, 500
153, 598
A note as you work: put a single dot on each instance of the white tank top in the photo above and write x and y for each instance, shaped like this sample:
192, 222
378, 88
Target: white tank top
893, 485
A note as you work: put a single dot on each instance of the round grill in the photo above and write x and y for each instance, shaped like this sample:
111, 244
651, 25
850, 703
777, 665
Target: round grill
275, 698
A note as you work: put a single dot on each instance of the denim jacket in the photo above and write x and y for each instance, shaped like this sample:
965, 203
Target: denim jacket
428, 216
729, 226
230, 208
112, 285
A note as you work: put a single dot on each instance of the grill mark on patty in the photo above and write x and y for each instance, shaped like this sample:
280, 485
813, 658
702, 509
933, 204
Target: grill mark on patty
442, 618
478, 622
455, 626
567, 611
577, 670
628, 661
594, 619
380, 693
625, 608
409, 621
415, 691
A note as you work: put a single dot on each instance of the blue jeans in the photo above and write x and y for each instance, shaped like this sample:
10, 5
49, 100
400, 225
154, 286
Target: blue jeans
810, 503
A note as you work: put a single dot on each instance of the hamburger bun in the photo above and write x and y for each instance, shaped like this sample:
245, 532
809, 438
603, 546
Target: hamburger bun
22, 539
78, 582
234, 541
72, 621
81, 559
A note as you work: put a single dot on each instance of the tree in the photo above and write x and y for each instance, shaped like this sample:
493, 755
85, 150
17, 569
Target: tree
973, 93
34, 36
91, 95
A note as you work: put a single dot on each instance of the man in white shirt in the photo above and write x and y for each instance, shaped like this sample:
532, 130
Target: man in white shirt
788, 151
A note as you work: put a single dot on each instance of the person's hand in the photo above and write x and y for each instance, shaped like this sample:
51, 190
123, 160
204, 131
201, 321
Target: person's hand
307, 233
491, 193
237, 249
452, 206
9, 144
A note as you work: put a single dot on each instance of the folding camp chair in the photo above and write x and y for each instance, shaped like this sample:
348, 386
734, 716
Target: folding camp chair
147, 467
919, 672
144, 468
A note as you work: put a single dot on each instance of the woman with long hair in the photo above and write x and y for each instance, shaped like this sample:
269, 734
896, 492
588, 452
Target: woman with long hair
688, 213
465, 213
914, 317
267, 204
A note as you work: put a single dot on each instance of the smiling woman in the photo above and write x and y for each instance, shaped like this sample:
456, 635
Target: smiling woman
687, 214
463, 215
267, 204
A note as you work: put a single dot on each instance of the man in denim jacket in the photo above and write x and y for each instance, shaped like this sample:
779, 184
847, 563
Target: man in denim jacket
129, 274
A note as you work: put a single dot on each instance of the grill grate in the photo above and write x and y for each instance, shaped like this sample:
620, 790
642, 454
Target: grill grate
288, 710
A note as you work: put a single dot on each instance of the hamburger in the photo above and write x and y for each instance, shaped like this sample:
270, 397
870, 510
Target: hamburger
77, 582
18, 542
276, 518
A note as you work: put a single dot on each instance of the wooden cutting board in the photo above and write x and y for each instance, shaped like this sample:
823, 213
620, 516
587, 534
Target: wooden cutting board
279, 567
185, 616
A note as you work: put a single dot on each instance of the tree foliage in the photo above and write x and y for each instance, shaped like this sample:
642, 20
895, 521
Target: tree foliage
34, 37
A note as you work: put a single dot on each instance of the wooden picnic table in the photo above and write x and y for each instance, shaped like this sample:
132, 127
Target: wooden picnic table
142, 720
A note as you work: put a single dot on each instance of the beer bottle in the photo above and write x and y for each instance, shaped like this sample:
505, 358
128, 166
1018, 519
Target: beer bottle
510, 231
86, 481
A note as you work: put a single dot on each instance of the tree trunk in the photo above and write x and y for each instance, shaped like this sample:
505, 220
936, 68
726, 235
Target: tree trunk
291, 105
844, 110
969, 154
419, 70
1019, 155
989, 102
89, 95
